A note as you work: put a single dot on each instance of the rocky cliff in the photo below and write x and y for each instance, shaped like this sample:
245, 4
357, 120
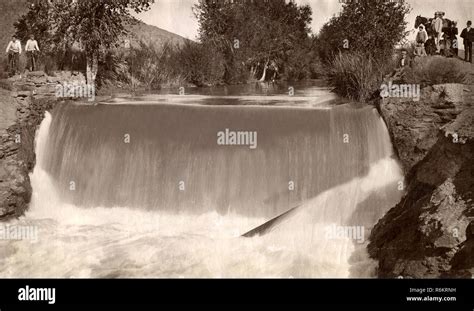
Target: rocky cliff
22, 108
430, 233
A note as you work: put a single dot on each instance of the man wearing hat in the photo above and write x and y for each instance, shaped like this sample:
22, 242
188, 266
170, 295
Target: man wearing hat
437, 26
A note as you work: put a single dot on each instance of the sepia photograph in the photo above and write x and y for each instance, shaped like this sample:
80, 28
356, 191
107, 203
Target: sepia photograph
169, 140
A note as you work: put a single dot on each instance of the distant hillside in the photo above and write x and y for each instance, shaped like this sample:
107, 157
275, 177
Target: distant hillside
152, 34
12, 10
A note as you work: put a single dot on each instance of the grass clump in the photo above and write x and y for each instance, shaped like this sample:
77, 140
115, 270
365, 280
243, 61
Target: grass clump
357, 76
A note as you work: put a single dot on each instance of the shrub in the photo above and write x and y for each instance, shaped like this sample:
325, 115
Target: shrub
113, 69
151, 67
437, 70
357, 75
199, 64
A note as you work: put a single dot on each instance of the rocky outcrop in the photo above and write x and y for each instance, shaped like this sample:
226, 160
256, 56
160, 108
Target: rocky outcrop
22, 110
430, 232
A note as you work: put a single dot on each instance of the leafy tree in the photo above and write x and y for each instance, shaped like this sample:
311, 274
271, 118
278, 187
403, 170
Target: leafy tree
373, 27
97, 25
253, 36
36, 22
93, 26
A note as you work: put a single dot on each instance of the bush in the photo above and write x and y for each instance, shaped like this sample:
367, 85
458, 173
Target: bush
199, 64
357, 75
150, 67
114, 70
437, 70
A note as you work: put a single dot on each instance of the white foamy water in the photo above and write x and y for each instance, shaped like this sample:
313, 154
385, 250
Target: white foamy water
129, 242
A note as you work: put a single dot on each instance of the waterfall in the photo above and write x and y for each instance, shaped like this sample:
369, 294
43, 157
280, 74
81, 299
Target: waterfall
146, 190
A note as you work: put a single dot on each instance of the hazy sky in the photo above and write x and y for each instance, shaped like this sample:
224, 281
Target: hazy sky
177, 16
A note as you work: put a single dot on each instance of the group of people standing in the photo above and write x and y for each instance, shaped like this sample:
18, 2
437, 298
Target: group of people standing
14, 50
444, 33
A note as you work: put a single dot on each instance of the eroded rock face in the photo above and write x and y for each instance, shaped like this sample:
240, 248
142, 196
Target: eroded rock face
23, 114
429, 233
22, 110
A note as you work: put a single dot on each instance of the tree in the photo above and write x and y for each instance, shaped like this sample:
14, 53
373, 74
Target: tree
253, 36
40, 22
98, 25
373, 27
92, 25
37, 22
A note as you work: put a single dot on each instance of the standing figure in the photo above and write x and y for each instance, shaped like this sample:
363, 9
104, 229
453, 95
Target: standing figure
421, 38
32, 50
437, 27
468, 35
14, 52
452, 40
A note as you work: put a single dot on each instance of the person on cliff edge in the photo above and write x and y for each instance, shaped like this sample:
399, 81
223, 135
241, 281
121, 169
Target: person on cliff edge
468, 36
421, 38
14, 52
32, 51
437, 26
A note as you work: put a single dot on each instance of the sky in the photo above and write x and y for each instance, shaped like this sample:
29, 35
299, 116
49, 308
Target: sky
177, 16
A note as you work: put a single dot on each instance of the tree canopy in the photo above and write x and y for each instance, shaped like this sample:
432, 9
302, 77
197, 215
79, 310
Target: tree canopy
93, 25
373, 27
254, 35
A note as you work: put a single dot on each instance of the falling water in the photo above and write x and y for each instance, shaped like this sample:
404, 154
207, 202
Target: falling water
144, 190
